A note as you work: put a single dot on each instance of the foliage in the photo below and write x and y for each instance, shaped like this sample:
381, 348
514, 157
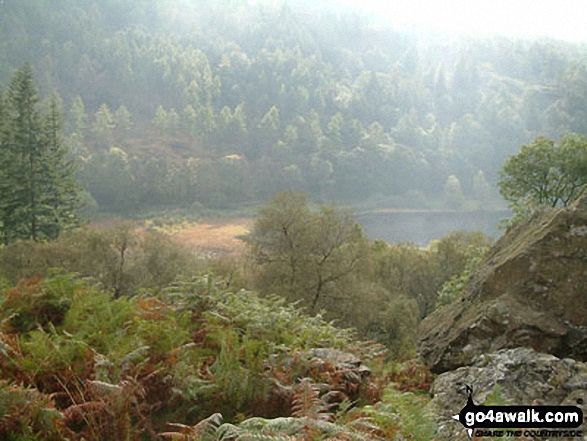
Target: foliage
28, 413
482, 189
35, 303
453, 192
305, 255
311, 419
408, 274
395, 325
401, 414
496, 398
545, 173
102, 322
39, 195
411, 375
122, 118
320, 258
204, 430
457, 255
121, 368
454, 287
54, 362
103, 126
454, 250
331, 104
120, 258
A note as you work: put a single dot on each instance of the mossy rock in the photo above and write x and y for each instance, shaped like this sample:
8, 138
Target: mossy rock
529, 291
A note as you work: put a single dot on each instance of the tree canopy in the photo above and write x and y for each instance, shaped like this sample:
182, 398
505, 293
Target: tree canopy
545, 172
312, 100
308, 254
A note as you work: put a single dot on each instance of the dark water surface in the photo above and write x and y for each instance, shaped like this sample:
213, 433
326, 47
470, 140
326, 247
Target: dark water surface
421, 226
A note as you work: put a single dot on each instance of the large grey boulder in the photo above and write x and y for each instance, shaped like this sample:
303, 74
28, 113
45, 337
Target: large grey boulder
530, 291
508, 377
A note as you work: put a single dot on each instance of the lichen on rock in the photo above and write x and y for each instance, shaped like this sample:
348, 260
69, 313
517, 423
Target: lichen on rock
518, 376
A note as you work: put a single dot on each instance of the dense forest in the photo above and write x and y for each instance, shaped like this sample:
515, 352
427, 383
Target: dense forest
145, 113
216, 104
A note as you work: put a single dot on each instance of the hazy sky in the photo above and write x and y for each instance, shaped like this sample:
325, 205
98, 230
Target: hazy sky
564, 19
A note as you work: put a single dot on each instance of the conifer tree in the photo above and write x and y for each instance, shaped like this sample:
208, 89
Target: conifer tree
62, 192
38, 193
123, 118
103, 125
75, 126
21, 153
78, 118
6, 207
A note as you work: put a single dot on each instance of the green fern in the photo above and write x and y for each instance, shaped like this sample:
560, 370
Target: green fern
27, 414
402, 412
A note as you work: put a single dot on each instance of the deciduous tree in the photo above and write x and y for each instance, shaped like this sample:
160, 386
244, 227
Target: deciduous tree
545, 172
308, 254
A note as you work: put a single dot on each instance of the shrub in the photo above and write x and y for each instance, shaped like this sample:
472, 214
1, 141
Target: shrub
36, 302
27, 414
119, 368
402, 416
120, 259
103, 322
454, 287
55, 362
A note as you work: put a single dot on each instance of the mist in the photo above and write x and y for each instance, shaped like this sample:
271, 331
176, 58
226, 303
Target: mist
521, 19
203, 105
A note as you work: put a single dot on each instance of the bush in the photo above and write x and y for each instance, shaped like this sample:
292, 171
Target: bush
122, 259
402, 415
28, 414
55, 362
454, 287
103, 322
35, 302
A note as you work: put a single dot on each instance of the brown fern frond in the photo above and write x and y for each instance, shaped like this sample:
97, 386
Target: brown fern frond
208, 424
176, 436
102, 388
79, 413
204, 429
150, 308
366, 426
307, 402
263, 437
180, 428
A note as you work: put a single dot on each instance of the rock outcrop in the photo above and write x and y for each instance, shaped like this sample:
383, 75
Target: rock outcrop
509, 377
530, 291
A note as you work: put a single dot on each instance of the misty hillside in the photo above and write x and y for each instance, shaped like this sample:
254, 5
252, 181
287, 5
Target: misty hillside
192, 103
141, 299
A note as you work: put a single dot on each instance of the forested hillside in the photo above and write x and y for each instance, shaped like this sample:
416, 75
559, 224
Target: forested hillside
201, 103
150, 114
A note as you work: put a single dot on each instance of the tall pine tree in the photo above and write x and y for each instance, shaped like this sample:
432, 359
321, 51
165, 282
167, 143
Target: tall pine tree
6, 207
38, 193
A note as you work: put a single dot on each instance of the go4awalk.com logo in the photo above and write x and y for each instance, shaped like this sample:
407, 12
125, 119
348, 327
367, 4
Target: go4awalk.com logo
537, 421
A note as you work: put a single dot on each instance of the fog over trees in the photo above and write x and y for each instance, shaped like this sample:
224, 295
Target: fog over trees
217, 104
177, 313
